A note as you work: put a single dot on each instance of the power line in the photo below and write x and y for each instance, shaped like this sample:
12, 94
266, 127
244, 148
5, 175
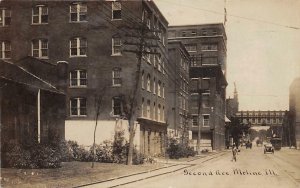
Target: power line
232, 15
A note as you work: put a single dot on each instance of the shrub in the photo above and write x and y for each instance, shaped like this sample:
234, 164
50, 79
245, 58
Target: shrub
176, 150
36, 156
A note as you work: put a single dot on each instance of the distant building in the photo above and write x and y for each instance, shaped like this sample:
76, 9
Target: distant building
206, 45
32, 109
232, 104
294, 104
178, 91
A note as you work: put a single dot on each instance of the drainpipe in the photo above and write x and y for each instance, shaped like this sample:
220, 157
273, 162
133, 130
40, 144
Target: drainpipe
39, 115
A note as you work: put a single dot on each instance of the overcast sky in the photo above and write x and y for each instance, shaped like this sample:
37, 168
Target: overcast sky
263, 52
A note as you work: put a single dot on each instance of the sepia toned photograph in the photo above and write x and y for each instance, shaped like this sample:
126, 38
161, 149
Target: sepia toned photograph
150, 93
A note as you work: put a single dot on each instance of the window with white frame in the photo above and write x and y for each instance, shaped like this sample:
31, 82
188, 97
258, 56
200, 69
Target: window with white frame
40, 48
159, 88
78, 107
148, 82
78, 47
5, 17
78, 12
116, 77
195, 121
116, 10
205, 120
78, 78
5, 50
40, 14
148, 109
116, 46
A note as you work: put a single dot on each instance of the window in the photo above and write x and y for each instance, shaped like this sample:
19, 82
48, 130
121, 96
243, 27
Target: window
78, 47
40, 14
116, 106
78, 106
148, 109
193, 33
5, 17
158, 88
191, 47
116, 46
205, 120
155, 60
40, 48
163, 114
163, 90
78, 12
148, 82
154, 111
209, 47
142, 107
203, 32
214, 32
78, 78
143, 80
205, 83
194, 121
183, 33
159, 112
154, 86
116, 77
159, 64
205, 100
5, 50
116, 11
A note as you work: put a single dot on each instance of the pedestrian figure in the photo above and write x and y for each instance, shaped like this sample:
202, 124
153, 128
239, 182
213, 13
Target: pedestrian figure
234, 152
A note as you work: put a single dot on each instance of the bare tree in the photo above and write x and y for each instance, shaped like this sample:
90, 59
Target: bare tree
98, 104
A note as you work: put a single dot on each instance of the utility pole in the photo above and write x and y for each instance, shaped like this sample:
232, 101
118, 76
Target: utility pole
200, 91
141, 45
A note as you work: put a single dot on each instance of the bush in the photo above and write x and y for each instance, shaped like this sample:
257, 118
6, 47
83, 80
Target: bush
176, 150
37, 156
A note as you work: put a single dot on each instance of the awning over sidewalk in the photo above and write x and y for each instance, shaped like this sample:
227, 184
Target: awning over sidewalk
227, 120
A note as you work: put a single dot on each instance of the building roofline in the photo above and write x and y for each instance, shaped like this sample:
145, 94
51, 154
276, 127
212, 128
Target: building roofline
181, 44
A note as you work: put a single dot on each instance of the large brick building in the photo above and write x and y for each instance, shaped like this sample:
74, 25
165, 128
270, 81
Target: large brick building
92, 36
178, 91
294, 105
206, 45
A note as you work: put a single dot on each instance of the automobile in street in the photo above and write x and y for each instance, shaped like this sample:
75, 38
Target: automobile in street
268, 148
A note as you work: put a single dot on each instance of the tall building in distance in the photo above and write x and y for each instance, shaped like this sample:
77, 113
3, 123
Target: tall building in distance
232, 104
206, 45
99, 41
294, 105
178, 90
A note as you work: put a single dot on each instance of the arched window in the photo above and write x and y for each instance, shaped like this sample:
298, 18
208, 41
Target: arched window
148, 82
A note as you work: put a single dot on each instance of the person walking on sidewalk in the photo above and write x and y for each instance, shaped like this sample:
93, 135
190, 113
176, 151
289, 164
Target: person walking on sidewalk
234, 153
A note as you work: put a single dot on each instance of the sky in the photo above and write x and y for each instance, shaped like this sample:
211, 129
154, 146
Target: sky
263, 51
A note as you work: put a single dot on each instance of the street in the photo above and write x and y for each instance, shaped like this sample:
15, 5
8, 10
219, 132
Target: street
252, 169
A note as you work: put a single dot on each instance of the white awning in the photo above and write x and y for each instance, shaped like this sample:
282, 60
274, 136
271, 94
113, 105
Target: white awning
227, 120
